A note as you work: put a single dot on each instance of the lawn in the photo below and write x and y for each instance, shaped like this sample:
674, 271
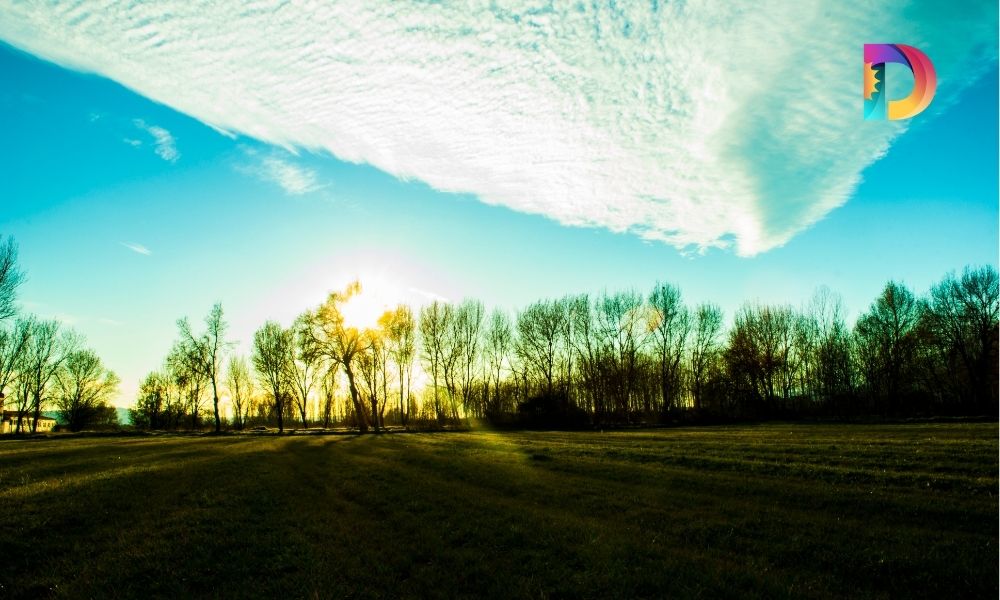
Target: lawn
766, 511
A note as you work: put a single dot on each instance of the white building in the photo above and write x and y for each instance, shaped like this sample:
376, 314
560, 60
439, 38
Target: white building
8, 420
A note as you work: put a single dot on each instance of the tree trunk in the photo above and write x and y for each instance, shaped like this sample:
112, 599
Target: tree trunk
359, 409
215, 405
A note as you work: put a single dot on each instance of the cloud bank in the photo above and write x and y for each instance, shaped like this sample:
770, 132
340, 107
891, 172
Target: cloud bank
700, 124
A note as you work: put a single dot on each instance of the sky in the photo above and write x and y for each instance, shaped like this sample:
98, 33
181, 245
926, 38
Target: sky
160, 158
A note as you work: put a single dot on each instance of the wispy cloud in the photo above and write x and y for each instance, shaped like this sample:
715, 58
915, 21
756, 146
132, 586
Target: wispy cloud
732, 124
137, 248
427, 294
295, 179
166, 147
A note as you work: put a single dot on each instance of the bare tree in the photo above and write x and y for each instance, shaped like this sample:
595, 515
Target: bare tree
400, 341
498, 345
886, 335
371, 365
705, 348
962, 318
44, 354
207, 352
467, 325
83, 388
335, 340
328, 390
306, 366
541, 328
622, 327
10, 278
152, 407
185, 367
670, 326
759, 356
240, 382
435, 321
13, 345
273, 359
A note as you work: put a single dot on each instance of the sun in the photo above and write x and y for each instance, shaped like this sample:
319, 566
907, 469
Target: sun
378, 294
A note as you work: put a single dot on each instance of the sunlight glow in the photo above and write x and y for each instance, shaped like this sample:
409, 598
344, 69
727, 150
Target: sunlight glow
378, 295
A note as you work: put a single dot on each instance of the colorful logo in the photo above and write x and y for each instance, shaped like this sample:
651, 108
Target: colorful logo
877, 106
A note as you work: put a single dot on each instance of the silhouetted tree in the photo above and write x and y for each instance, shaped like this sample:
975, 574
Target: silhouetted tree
497, 348
273, 359
13, 346
83, 388
887, 341
240, 382
10, 278
400, 342
435, 321
467, 326
540, 330
207, 352
185, 365
961, 320
335, 340
705, 349
670, 326
306, 366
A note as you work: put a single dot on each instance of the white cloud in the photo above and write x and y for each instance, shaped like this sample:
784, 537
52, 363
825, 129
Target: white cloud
696, 123
137, 248
294, 179
166, 147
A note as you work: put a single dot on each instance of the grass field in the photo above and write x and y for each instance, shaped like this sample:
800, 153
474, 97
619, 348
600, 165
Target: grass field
767, 511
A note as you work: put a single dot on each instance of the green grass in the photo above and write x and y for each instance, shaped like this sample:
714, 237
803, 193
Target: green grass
766, 511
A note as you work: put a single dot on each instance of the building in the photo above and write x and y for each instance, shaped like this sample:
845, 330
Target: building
8, 420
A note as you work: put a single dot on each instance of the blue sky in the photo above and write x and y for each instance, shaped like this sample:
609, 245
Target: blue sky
93, 171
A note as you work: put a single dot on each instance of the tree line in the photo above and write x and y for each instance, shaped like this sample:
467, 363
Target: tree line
45, 365
612, 358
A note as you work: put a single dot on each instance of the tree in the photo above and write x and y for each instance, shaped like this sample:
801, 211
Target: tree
704, 348
670, 325
466, 326
622, 328
207, 352
328, 390
185, 367
44, 354
435, 321
13, 345
273, 359
540, 331
10, 278
305, 367
887, 339
497, 348
962, 319
371, 365
759, 356
240, 382
400, 341
83, 388
333, 339
832, 372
